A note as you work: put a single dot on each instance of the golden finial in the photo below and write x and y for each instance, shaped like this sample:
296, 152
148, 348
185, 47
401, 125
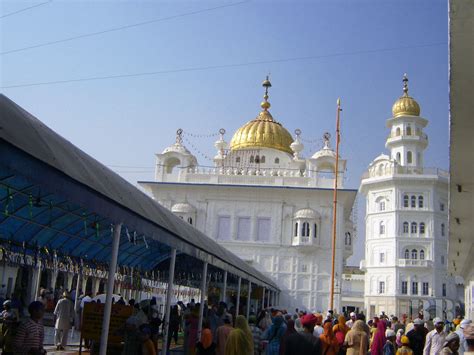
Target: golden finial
266, 84
405, 84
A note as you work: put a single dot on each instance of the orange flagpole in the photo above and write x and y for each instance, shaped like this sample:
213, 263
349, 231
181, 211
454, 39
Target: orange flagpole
334, 212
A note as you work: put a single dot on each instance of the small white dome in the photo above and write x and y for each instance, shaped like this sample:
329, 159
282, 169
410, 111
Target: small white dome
183, 207
306, 213
177, 148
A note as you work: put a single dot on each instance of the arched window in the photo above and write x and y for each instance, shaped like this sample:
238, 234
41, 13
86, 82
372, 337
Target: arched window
190, 220
382, 228
414, 254
406, 199
296, 229
413, 227
420, 201
443, 231
315, 230
413, 201
252, 159
305, 231
397, 131
348, 240
382, 205
399, 157
237, 160
277, 160
422, 254
408, 130
407, 254
409, 157
257, 159
422, 228
262, 159
405, 227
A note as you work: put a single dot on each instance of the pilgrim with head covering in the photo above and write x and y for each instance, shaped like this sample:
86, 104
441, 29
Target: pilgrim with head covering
435, 339
468, 333
340, 330
417, 336
460, 332
256, 335
451, 345
352, 319
405, 348
357, 340
222, 334
64, 314
378, 339
389, 347
299, 343
329, 342
206, 346
274, 335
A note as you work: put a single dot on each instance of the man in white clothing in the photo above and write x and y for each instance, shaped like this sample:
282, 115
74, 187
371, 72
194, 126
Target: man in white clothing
64, 313
351, 321
435, 339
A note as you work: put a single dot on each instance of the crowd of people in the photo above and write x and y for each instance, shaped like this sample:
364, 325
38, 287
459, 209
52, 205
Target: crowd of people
267, 332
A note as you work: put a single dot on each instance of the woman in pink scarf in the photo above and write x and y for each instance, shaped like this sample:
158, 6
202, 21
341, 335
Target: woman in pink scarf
379, 339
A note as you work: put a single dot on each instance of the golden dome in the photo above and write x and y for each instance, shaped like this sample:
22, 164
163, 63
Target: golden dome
263, 131
405, 105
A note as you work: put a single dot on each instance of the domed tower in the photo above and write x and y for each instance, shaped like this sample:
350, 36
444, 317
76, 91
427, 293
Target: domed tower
406, 140
405, 222
262, 142
174, 160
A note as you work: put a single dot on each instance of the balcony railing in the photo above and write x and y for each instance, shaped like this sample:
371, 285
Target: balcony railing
415, 262
303, 241
406, 170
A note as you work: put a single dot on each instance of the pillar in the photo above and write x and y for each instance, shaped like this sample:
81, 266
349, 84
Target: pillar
203, 297
248, 299
169, 294
224, 289
238, 297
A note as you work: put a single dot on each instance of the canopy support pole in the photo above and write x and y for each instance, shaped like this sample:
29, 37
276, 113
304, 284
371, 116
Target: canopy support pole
38, 282
263, 298
238, 297
224, 290
169, 293
248, 299
268, 297
203, 297
110, 286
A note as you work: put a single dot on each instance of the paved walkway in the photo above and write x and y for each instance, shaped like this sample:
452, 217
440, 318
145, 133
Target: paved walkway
73, 344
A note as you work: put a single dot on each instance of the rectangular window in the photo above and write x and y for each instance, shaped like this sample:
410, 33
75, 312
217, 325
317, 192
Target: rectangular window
425, 289
382, 258
382, 287
414, 288
304, 268
442, 259
444, 290
441, 206
263, 229
243, 228
223, 228
404, 287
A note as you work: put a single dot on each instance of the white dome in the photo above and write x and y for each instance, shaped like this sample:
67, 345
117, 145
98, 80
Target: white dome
183, 207
306, 213
177, 148
325, 152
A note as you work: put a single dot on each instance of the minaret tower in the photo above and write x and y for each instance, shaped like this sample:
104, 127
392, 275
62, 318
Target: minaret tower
406, 222
406, 140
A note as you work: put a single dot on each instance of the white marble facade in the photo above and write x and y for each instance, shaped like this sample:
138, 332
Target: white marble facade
406, 223
266, 203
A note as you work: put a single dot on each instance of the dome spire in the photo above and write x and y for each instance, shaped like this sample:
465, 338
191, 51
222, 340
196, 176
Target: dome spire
405, 85
266, 84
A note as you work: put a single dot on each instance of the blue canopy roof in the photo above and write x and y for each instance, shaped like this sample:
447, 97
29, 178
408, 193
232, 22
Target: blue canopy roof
56, 197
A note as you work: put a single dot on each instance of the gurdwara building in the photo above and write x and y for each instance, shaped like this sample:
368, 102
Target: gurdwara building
266, 203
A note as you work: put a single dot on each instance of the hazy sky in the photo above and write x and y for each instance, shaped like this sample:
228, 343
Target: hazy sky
203, 63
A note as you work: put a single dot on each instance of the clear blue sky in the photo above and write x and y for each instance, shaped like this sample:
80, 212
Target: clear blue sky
124, 121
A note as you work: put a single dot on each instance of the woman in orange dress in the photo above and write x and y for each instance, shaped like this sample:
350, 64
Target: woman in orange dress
329, 341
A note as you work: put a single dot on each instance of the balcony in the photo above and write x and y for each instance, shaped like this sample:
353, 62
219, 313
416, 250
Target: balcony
415, 263
303, 241
399, 170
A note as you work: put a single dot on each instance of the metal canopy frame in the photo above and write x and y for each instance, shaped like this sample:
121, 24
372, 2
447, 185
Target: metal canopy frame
55, 196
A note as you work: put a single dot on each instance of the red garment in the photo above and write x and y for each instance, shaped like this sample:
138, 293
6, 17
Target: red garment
328, 340
379, 339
